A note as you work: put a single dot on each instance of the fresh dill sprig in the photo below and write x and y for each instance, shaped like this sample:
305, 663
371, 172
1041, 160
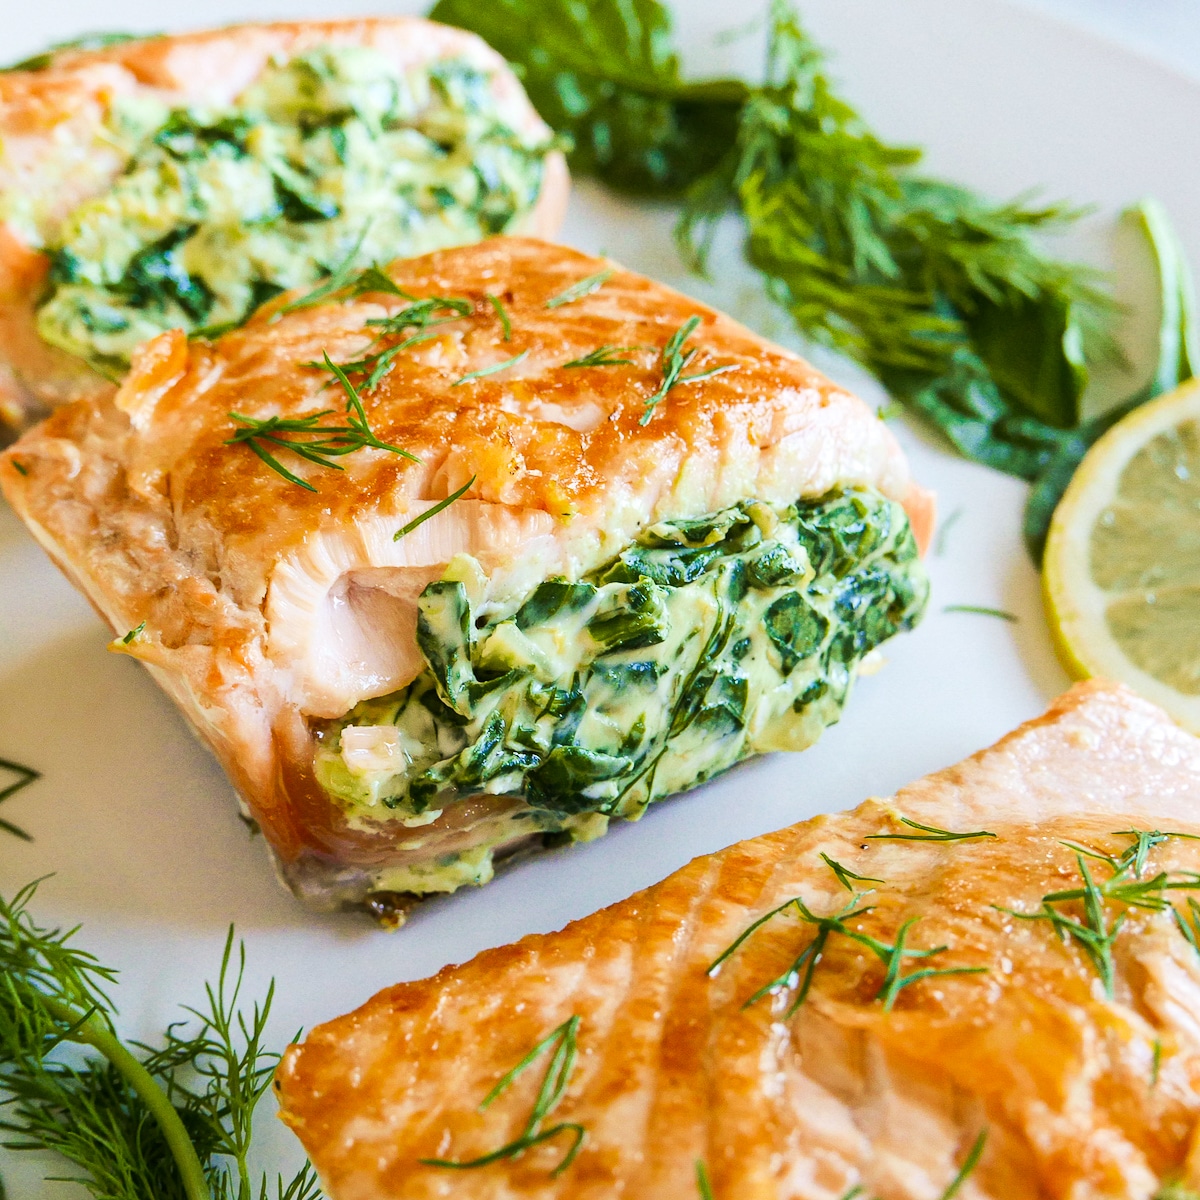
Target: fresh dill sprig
673, 361
703, 1183
1189, 925
929, 833
308, 438
140, 1123
340, 277
433, 510
135, 633
969, 1165
603, 356
471, 376
502, 313
554, 1084
983, 611
1156, 1062
25, 776
585, 287
844, 874
892, 954
943, 534
19, 467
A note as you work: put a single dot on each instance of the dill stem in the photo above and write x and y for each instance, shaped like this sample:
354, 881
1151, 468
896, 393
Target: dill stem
89, 1030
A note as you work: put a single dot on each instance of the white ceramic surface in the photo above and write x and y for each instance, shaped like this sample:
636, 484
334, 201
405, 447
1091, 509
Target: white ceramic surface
137, 823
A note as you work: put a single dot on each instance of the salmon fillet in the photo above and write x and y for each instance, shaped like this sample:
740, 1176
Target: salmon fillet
268, 610
56, 153
1083, 1092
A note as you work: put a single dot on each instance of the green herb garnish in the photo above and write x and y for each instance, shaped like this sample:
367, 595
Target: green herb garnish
1093, 932
943, 534
703, 1184
982, 611
844, 874
969, 1165
502, 313
585, 287
492, 370
674, 361
312, 441
554, 1084
137, 1123
929, 833
603, 356
892, 955
1156, 1060
433, 510
135, 633
19, 467
340, 277
949, 299
25, 776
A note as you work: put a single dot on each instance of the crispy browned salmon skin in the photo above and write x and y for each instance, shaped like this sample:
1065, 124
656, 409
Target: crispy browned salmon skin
1076, 1068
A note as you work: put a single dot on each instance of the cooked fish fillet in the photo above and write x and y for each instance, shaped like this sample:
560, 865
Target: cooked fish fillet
631, 594
1082, 1094
73, 128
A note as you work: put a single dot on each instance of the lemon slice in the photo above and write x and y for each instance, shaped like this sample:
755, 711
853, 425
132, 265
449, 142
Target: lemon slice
1122, 565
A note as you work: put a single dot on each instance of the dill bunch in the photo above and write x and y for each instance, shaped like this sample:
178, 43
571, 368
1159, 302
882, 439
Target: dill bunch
132, 1122
948, 298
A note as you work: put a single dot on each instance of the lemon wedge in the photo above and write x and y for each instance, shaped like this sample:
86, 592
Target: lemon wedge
1122, 566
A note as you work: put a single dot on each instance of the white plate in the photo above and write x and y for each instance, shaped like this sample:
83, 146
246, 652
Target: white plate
138, 824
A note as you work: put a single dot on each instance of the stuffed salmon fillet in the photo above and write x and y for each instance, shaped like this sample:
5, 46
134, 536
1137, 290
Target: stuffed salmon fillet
985, 986
580, 543
181, 181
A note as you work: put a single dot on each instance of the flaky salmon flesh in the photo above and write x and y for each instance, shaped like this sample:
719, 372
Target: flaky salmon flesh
62, 145
290, 612
987, 985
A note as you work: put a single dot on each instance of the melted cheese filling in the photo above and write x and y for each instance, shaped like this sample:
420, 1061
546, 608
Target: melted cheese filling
332, 156
702, 643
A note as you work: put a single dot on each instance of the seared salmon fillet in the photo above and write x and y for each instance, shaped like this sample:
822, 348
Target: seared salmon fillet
602, 543
986, 985
181, 181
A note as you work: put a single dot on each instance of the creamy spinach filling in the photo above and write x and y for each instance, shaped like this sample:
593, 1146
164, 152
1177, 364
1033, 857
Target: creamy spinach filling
701, 643
332, 154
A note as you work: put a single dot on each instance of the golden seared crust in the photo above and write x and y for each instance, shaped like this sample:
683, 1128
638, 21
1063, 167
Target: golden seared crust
266, 604
1081, 1096
54, 155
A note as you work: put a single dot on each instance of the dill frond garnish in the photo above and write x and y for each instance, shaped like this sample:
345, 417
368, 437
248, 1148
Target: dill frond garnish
844, 874
307, 438
673, 361
554, 1084
433, 510
585, 287
19, 467
929, 833
502, 313
892, 955
943, 534
1189, 925
983, 611
1156, 1061
135, 633
703, 1183
969, 1165
1093, 932
139, 1123
603, 356
471, 376
25, 776
337, 279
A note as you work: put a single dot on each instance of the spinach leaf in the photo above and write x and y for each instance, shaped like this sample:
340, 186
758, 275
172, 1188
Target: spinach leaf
444, 639
795, 628
552, 597
1178, 357
156, 278
637, 618
603, 74
558, 784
